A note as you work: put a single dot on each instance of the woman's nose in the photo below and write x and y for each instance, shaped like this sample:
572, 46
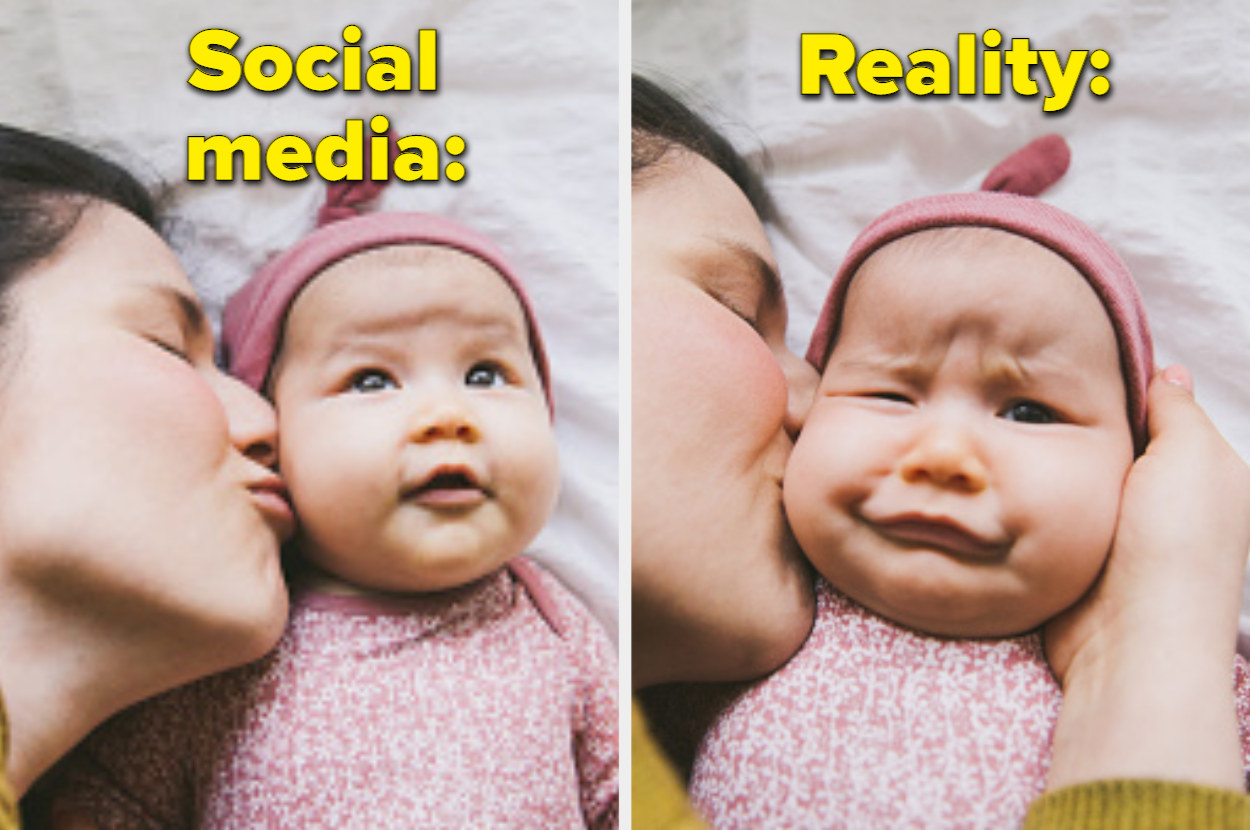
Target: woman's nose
945, 455
801, 382
446, 420
250, 419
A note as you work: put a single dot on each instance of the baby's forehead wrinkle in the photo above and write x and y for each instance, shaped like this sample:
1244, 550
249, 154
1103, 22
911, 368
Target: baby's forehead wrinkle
1002, 367
908, 365
389, 329
388, 320
912, 360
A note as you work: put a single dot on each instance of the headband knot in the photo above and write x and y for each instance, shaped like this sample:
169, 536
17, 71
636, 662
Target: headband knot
1033, 168
345, 199
253, 319
1005, 202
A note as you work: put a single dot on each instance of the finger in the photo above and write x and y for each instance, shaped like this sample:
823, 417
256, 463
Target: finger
1170, 404
1178, 375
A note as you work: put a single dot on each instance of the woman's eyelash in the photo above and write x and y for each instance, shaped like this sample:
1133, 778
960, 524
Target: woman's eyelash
164, 345
747, 317
751, 318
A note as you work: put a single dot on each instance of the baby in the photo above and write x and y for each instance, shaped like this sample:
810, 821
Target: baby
984, 364
429, 675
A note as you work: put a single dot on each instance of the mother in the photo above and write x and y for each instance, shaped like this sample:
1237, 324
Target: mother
719, 592
139, 522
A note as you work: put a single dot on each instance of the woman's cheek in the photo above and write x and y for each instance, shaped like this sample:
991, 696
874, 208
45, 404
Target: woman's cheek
199, 409
700, 367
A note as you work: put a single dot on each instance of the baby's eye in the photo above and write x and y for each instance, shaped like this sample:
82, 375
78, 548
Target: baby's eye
370, 380
1029, 412
897, 397
485, 374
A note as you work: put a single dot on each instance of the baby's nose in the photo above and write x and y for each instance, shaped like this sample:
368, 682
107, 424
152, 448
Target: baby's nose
446, 421
945, 455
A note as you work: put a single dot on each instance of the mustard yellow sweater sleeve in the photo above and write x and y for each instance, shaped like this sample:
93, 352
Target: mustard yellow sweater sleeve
659, 800
8, 804
1139, 805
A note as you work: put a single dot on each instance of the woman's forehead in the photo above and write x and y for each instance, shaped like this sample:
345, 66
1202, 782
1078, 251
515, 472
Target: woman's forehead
109, 252
687, 200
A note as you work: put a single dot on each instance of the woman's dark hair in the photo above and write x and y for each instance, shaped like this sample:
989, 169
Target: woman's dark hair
45, 184
661, 123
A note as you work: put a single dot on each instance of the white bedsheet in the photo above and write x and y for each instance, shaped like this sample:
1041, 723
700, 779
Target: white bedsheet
1160, 167
532, 86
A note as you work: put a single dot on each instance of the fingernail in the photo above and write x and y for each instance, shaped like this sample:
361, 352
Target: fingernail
1178, 375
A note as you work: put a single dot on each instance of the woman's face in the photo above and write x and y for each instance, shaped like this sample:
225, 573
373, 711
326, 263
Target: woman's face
719, 588
133, 488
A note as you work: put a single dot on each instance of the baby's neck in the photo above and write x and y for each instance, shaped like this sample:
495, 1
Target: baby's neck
305, 576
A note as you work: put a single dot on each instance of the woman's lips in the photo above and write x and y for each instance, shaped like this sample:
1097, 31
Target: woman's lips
942, 533
270, 497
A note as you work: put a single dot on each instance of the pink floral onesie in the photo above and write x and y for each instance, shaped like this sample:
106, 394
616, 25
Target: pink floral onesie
492, 705
873, 725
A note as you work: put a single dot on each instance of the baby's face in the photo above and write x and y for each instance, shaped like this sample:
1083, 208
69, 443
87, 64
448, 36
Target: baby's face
962, 465
414, 433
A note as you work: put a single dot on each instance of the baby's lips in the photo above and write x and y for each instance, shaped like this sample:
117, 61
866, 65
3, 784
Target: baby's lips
454, 497
941, 532
447, 485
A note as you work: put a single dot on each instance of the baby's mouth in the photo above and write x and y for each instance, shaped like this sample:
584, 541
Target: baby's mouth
944, 534
448, 487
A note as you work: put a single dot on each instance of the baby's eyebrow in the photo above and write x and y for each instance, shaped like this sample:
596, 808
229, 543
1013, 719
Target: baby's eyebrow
397, 322
1000, 369
904, 367
387, 332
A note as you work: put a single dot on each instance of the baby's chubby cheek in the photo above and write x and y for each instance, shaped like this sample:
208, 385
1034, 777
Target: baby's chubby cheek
816, 492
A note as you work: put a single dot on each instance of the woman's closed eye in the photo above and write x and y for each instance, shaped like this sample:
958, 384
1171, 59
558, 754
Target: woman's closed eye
171, 345
191, 349
1029, 412
741, 307
371, 380
486, 374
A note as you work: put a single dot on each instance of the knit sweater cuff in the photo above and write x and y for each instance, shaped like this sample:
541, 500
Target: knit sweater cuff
1139, 805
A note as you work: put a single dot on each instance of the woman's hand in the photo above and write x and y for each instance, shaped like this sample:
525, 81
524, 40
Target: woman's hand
1145, 658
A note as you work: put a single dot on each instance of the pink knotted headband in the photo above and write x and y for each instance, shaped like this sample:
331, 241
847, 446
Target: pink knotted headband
1006, 202
253, 319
